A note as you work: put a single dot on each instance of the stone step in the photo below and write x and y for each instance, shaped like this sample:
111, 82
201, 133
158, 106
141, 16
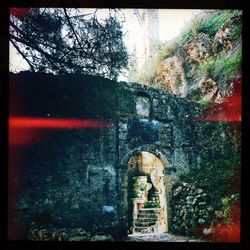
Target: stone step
144, 224
150, 209
148, 212
139, 229
150, 219
147, 216
144, 229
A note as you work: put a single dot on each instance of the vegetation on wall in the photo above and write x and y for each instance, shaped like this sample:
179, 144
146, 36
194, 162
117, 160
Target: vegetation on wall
145, 77
204, 102
138, 187
209, 23
220, 178
166, 50
216, 20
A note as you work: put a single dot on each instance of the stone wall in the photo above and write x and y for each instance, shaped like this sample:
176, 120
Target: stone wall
192, 208
65, 177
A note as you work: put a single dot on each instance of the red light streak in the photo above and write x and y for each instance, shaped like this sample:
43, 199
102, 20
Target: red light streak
225, 232
228, 111
54, 123
19, 12
30, 130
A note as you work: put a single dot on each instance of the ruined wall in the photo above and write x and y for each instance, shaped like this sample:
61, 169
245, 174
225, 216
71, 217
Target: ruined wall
65, 177
184, 143
62, 176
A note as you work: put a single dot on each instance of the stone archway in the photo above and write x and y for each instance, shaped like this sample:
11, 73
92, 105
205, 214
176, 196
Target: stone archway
152, 165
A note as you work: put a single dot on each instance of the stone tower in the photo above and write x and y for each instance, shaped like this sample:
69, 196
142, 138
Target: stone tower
150, 26
145, 50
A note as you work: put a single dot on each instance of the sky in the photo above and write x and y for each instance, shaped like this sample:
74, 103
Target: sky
171, 22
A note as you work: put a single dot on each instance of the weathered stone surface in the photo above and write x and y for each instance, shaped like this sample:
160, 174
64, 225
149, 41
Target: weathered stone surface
189, 209
198, 49
201, 221
101, 238
77, 238
172, 75
50, 233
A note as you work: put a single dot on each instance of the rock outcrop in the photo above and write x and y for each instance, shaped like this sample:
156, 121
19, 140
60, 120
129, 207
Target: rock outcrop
204, 66
171, 75
198, 49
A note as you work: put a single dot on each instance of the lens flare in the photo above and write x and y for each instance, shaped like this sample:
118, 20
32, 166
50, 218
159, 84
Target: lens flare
19, 12
229, 111
54, 123
225, 231
30, 130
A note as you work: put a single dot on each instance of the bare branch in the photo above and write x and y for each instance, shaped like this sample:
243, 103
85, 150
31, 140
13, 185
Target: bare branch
73, 30
22, 54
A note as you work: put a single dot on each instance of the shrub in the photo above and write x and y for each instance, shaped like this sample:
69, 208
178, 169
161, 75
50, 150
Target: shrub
236, 32
216, 177
227, 67
145, 77
222, 67
191, 31
232, 65
215, 22
207, 67
204, 102
166, 50
186, 36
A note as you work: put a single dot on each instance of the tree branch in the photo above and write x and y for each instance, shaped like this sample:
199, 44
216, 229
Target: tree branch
77, 39
22, 54
73, 30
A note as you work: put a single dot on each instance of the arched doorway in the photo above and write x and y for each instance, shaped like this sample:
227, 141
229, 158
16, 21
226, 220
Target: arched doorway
147, 204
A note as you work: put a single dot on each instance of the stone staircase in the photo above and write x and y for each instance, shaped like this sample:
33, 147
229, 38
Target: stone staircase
146, 220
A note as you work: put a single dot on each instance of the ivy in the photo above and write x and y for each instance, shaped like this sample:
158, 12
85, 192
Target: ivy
216, 177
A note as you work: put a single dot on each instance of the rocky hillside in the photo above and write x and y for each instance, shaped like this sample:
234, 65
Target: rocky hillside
204, 62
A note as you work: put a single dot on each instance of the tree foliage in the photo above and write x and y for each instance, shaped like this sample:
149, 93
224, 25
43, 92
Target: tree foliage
69, 41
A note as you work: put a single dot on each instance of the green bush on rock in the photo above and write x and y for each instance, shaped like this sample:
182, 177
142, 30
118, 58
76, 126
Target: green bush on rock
215, 22
222, 67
